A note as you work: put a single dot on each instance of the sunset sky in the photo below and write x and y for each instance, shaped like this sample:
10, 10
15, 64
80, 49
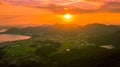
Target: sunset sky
37, 12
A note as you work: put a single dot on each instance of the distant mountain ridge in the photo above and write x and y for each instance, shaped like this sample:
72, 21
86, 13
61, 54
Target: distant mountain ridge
67, 29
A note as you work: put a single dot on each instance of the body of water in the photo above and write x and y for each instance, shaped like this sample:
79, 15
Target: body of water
107, 46
3, 30
12, 37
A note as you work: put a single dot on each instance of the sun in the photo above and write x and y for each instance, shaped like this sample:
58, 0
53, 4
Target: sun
67, 16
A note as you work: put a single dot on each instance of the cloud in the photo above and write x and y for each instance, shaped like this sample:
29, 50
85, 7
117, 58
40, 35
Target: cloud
89, 7
28, 2
7, 9
104, 0
3, 3
13, 15
47, 11
111, 7
107, 7
72, 6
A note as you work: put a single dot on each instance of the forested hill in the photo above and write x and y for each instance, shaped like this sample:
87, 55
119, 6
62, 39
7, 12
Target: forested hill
109, 39
63, 45
66, 29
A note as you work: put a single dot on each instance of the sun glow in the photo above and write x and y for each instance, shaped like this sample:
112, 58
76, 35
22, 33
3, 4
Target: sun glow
67, 16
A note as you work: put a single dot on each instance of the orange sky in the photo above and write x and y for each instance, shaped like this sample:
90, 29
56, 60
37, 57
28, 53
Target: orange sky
19, 15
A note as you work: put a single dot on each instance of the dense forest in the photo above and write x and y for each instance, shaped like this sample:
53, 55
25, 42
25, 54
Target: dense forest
63, 45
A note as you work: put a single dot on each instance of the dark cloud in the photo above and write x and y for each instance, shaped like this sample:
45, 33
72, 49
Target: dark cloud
96, 0
111, 7
80, 7
104, 0
108, 7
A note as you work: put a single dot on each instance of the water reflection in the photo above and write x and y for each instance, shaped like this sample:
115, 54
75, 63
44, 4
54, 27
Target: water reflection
107, 46
10, 37
3, 30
